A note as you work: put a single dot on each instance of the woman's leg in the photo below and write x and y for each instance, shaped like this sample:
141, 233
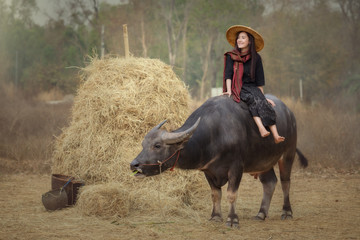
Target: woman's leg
262, 129
275, 133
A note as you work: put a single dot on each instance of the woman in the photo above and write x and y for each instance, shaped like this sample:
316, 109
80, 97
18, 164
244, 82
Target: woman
244, 78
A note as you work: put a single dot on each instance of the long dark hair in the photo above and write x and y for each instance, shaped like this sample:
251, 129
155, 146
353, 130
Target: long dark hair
253, 53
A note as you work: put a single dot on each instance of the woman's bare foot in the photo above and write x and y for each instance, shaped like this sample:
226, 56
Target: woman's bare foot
279, 139
262, 129
264, 132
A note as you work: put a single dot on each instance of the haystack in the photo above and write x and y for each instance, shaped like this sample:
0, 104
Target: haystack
118, 102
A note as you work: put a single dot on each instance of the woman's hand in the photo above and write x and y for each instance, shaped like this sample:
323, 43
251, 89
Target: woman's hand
228, 87
271, 102
227, 93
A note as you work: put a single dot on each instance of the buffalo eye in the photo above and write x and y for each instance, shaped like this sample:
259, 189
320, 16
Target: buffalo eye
157, 146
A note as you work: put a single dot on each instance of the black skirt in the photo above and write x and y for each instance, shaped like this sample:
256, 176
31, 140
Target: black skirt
258, 105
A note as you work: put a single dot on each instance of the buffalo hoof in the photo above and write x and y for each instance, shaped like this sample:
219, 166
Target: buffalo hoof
233, 223
260, 216
286, 215
216, 219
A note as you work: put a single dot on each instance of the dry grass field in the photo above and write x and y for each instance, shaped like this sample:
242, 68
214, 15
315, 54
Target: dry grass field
326, 205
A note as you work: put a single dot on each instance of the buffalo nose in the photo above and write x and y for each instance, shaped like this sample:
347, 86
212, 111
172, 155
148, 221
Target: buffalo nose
134, 164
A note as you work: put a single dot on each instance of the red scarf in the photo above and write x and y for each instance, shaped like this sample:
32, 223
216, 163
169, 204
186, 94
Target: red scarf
238, 67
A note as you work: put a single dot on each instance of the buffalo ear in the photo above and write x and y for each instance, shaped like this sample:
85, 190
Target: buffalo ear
180, 137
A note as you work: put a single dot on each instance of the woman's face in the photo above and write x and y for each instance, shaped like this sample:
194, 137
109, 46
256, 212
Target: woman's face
243, 41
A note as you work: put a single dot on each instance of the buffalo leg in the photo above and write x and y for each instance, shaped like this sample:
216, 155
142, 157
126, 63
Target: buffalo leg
233, 219
216, 199
287, 211
233, 186
285, 165
268, 180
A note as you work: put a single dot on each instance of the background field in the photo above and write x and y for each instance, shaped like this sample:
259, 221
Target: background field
325, 196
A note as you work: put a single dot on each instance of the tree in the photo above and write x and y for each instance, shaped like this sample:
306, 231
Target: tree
351, 12
175, 13
302, 41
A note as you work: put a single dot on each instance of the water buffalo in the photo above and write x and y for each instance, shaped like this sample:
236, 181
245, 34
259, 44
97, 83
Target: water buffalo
221, 139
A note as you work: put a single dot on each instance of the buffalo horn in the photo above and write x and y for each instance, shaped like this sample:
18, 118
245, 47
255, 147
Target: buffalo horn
171, 138
158, 126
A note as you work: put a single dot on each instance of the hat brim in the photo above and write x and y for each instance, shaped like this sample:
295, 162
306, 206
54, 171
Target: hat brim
231, 35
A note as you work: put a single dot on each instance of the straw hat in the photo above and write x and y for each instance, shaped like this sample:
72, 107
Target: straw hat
233, 30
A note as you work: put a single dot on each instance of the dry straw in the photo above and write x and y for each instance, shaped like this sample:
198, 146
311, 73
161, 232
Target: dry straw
118, 102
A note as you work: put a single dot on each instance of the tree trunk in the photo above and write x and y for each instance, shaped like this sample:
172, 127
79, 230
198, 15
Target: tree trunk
186, 19
205, 67
174, 35
168, 13
351, 13
139, 6
143, 42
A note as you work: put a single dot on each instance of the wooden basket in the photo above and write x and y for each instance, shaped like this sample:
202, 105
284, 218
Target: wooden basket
72, 189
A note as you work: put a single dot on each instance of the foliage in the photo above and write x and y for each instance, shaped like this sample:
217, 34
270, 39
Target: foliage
315, 41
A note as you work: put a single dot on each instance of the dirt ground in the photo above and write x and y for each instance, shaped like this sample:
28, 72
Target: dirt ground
326, 205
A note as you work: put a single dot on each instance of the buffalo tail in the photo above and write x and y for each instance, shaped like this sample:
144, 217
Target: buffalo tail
303, 159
